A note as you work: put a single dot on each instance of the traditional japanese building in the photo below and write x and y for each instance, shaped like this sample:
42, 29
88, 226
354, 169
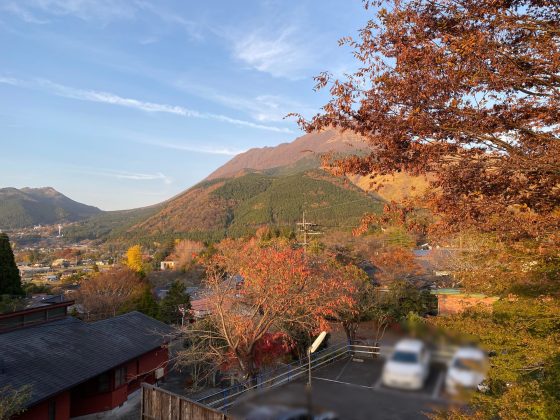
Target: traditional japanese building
74, 368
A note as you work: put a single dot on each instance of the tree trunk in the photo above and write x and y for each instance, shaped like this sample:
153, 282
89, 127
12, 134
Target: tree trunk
350, 330
247, 365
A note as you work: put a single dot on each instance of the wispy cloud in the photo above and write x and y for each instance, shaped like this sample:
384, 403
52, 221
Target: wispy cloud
146, 106
190, 148
103, 11
143, 177
134, 176
193, 28
262, 108
22, 13
281, 55
265, 108
10, 81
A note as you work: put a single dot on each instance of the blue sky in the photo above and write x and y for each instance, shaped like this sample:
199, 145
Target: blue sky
122, 104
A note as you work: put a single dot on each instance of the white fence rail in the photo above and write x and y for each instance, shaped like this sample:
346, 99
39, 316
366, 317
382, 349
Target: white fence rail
225, 398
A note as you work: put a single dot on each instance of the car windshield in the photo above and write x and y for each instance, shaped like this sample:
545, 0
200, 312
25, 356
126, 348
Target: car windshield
468, 364
405, 357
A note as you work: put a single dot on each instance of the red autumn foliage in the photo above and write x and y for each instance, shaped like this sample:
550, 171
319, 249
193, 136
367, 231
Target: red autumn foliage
281, 286
395, 264
467, 91
272, 347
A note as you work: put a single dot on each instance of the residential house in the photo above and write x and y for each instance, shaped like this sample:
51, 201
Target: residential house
74, 368
453, 301
168, 265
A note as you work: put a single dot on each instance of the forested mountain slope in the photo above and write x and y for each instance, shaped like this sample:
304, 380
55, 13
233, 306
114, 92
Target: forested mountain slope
27, 207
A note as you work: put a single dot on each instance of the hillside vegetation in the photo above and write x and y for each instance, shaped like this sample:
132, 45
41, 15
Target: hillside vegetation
26, 207
108, 224
240, 205
396, 187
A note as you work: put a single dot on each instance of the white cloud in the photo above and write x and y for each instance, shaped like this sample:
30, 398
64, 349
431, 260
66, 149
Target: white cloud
280, 55
197, 149
148, 40
262, 108
103, 10
152, 107
173, 18
10, 81
22, 13
134, 176
143, 177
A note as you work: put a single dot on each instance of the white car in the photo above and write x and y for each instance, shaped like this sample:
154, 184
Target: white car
408, 367
466, 371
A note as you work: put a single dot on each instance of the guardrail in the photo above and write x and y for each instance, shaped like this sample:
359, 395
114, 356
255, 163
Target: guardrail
286, 373
223, 399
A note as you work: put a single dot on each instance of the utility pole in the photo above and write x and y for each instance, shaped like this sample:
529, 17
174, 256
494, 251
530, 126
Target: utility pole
307, 228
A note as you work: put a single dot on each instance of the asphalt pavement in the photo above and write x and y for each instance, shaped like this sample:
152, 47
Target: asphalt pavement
352, 389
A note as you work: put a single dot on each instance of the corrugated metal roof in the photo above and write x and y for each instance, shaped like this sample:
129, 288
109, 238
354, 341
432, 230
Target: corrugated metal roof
58, 355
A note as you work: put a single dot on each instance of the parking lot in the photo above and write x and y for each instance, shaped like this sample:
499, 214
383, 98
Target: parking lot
352, 389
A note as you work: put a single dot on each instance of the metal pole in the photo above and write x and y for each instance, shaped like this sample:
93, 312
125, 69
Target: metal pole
304, 234
309, 368
308, 387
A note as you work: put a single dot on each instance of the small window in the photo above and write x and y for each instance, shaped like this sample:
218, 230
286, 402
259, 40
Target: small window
56, 312
35, 317
120, 376
103, 382
12, 322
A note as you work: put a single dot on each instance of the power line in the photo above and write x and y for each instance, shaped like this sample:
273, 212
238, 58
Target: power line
307, 228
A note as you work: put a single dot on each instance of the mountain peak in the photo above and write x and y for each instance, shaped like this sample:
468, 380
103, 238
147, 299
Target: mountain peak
31, 206
50, 191
309, 146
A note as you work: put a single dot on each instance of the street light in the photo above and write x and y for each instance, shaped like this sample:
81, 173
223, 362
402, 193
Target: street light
183, 310
311, 350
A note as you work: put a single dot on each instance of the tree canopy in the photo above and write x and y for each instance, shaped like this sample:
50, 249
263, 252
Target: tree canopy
254, 290
468, 91
134, 259
169, 306
109, 293
10, 280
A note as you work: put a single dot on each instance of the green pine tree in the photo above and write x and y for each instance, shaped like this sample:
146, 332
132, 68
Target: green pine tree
169, 306
147, 303
10, 280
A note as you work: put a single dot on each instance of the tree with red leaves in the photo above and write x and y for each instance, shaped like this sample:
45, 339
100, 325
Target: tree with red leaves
465, 90
255, 290
395, 264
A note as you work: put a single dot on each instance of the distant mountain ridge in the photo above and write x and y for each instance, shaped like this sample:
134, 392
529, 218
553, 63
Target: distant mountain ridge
269, 186
305, 152
26, 207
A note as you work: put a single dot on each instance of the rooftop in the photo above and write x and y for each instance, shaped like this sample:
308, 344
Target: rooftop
59, 355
